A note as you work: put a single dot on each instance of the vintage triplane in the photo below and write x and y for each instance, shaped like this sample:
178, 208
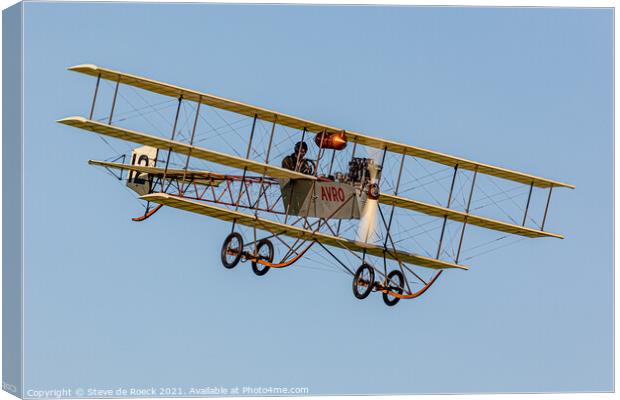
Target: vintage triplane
340, 191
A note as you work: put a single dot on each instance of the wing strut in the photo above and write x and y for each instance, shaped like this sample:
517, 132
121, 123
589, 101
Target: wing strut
445, 218
471, 192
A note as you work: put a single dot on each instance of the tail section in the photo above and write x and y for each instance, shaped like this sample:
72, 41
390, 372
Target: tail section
145, 156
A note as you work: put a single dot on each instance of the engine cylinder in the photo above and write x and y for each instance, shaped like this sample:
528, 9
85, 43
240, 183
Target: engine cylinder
332, 140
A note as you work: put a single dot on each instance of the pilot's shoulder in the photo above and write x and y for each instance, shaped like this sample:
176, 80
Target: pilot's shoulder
286, 160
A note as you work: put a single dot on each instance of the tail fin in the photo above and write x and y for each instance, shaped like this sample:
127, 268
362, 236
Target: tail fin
141, 182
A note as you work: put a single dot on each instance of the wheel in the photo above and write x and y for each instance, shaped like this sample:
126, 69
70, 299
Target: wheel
395, 282
363, 281
264, 251
231, 250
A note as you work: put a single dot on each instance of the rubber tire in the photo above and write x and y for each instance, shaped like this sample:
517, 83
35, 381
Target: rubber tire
393, 276
356, 277
260, 269
229, 238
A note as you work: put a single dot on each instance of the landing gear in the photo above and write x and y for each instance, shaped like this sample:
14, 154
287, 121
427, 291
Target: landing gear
232, 253
232, 250
264, 251
363, 281
394, 282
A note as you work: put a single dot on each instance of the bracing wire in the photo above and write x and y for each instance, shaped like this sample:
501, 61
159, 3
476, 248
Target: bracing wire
432, 177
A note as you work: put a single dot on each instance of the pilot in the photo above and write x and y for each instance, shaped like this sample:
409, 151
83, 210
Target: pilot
297, 160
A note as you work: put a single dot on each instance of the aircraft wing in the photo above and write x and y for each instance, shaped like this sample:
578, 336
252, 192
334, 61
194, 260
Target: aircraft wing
200, 177
182, 148
438, 211
295, 232
299, 123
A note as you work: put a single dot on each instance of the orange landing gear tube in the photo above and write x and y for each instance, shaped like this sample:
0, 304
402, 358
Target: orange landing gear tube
286, 263
148, 214
416, 294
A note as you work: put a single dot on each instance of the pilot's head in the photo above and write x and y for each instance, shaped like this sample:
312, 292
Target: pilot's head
301, 148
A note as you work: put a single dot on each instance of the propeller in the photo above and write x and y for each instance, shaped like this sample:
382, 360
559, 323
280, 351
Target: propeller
368, 219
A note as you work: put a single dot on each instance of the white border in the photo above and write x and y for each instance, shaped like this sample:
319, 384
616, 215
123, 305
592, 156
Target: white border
478, 3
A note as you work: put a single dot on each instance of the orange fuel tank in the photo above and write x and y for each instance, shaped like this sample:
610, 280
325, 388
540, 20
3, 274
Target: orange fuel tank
333, 140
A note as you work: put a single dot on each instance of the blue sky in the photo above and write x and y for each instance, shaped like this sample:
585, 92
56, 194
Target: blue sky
113, 303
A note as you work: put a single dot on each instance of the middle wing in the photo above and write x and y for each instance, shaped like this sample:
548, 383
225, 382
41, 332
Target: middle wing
459, 216
182, 148
295, 232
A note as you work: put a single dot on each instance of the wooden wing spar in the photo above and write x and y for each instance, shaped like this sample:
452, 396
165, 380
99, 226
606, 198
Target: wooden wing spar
296, 232
299, 123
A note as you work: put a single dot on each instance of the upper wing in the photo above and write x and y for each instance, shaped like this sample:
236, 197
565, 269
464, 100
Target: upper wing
295, 232
438, 211
299, 123
182, 148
